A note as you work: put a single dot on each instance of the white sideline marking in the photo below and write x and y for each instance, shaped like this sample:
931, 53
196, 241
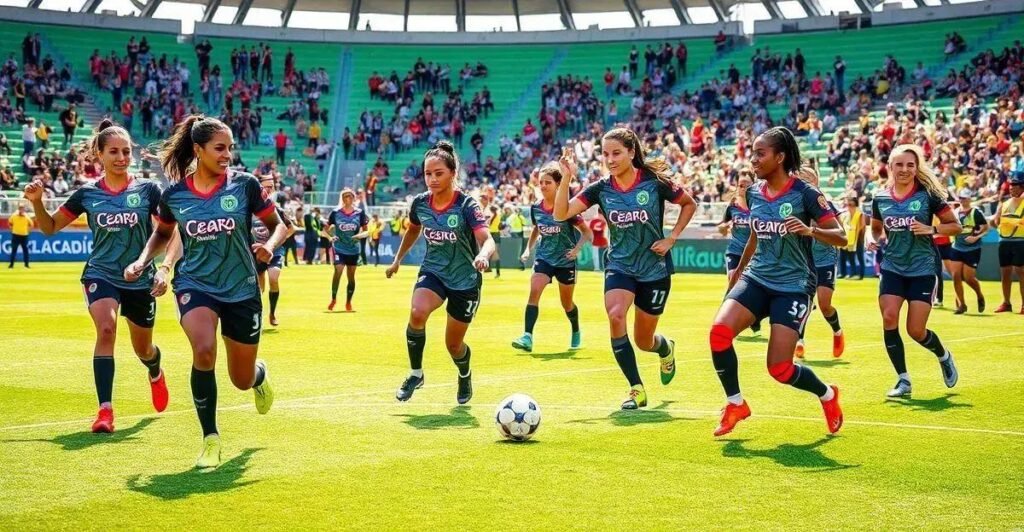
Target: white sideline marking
285, 403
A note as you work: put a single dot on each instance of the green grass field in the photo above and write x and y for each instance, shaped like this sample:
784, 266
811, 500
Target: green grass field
337, 451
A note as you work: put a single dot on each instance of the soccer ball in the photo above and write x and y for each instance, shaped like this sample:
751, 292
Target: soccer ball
517, 417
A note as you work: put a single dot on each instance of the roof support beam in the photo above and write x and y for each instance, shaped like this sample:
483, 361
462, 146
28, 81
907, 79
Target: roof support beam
460, 15
90, 6
243, 10
920, 3
150, 8
865, 6
34, 4
405, 16
681, 12
566, 12
720, 12
813, 8
515, 11
286, 15
353, 15
211, 9
773, 9
634, 12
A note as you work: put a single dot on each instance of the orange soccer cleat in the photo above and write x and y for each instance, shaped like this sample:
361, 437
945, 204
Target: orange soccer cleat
158, 388
731, 415
833, 412
838, 344
104, 421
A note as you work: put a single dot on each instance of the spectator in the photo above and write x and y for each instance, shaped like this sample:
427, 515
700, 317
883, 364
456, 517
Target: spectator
597, 225
28, 136
69, 121
477, 141
21, 226
314, 134
280, 144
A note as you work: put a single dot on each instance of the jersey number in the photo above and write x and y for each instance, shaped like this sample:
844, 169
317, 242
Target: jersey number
471, 308
798, 311
658, 297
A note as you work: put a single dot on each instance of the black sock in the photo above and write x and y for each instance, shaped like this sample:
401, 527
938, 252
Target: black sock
932, 343
894, 347
153, 364
531, 317
350, 289
940, 284
805, 379
334, 287
497, 265
574, 318
261, 373
727, 368
626, 359
463, 363
204, 396
103, 372
800, 333
833, 321
661, 346
273, 301
416, 339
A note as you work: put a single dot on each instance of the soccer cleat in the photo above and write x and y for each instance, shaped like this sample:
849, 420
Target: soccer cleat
637, 398
960, 309
799, 351
264, 393
981, 305
1004, 307
668, 364
524, 343
576, 342
833, 412
731, 415
209, 456
902, 389
330, 306
348, 306
465, 392
158, 389
949, 373
937, 304
273, 320
409, 385
104, 421
838, 344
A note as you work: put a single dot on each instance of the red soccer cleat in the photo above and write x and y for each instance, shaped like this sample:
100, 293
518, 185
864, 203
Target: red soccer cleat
1005, 307
348, 307
158, 388
731, 415
330, 306
833, 413
838, 344
104, 421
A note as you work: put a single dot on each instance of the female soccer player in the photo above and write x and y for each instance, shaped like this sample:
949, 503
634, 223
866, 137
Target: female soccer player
781, 279
639, 267
556, 258
736, 224
120, 211
826, 257
215, 281
901, 217
1009, 220
346, 226
966, 254
458, 244
260, 235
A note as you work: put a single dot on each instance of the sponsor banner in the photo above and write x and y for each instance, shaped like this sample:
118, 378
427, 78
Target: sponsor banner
66, 246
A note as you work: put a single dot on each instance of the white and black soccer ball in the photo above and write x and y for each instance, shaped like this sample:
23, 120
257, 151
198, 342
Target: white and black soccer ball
517, 417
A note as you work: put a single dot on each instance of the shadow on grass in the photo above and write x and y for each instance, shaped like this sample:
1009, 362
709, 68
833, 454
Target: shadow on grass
76, 441
935, 404
269, 331
174, 486
547, 357
513, 442
458, 418
750, 339
807, 456
630, 418
826, 363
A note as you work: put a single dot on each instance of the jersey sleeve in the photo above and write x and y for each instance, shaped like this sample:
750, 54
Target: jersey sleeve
876, 214
363, 219
979, 219
285, 219
727, 216
591, 194
259, 201
154, 198
670, 192
414, 217
473, 214
74, 206
817, 205
937, 205
533, 214
163, 210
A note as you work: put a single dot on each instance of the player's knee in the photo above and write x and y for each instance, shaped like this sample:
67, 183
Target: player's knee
782, 371
106, 331
917, 332
890, 318
617, 316
454, 348
204, 356
721, 337
242, 382
418, 317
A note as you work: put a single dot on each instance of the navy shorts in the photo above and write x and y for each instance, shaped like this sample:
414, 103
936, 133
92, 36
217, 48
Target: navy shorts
650, 296
945, 251
347, 260
137, 306
917, 288
970, 258
1011, 253
783, 308
241, 321
562, 275
826, 276
277, 261
732, 261
462, 304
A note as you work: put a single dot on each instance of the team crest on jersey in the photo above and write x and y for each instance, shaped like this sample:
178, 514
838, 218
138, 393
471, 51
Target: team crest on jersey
133, 200
915, 205
643, 197
229, 203
822, 202
185, 298
785, 209
92, 288
453, 220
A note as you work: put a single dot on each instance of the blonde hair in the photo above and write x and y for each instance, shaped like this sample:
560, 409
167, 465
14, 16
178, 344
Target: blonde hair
925, 175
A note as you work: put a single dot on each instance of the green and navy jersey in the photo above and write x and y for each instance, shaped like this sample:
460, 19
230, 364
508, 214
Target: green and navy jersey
739, 232
971, 223
784, 262
825, 255
216, 234
635, 218
907, 254
261, 233
121, 222
346, 226
556, 238
448, 231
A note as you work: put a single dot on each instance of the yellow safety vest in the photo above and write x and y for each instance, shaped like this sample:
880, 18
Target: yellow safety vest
1011, 221
851, 223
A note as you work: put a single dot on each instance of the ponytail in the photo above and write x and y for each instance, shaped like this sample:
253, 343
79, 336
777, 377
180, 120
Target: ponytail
176, 154
783, 141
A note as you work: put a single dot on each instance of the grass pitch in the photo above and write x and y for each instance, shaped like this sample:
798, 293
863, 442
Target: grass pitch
337, 451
